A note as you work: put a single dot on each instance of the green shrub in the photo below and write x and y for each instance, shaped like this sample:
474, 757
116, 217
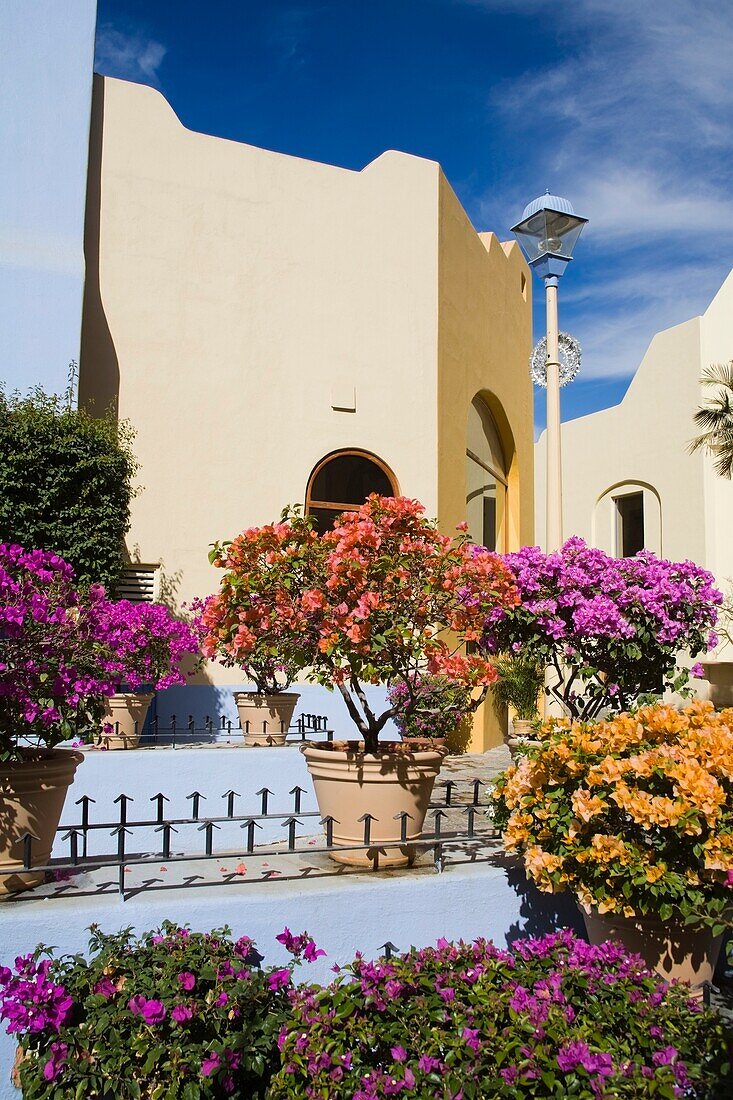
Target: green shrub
550, 1018
521, 679
169, 1015
66, 482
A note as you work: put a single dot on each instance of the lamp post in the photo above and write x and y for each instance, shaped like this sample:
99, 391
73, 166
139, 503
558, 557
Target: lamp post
547, 234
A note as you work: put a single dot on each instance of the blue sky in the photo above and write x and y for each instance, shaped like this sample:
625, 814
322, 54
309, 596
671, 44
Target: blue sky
623, 106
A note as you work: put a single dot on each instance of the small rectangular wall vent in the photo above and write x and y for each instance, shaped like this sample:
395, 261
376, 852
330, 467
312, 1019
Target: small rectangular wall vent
138, 584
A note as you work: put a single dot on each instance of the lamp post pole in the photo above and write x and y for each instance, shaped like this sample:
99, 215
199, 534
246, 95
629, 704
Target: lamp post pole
553, 509
547, 235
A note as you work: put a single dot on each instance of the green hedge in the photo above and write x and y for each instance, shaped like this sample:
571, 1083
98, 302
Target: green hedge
66, 482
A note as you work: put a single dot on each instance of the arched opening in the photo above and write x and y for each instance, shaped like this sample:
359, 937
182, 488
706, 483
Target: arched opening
343, 480
486, 479
627, 518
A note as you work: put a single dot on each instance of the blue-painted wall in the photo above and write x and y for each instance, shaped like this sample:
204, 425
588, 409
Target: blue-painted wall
45, 102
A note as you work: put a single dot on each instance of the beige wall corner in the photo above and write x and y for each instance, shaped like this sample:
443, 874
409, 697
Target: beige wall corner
484, 342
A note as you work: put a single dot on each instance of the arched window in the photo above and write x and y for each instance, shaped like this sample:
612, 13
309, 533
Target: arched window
627, 518
486, 479
344, 480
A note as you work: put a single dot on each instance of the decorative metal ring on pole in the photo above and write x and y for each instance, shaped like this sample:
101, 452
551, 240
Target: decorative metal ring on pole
569, 360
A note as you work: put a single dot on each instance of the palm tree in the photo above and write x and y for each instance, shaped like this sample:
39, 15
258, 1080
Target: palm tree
715, 418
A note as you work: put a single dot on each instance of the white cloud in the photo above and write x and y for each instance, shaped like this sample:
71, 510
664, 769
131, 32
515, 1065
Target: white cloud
128, 56
626, 108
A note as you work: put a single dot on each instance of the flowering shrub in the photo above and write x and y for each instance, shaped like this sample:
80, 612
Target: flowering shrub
551, 1017
430, 706
258, 620
382, 598
54, 672
634, 815
173, 1014
147, 644
610, 629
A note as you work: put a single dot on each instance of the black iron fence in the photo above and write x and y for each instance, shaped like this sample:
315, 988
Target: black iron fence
176, 731
455, 820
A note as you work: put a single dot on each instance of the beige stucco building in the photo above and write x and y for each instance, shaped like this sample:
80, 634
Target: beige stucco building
256, 316
629, 480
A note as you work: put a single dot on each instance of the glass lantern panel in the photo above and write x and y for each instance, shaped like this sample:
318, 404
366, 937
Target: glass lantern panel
562, 232
531, 234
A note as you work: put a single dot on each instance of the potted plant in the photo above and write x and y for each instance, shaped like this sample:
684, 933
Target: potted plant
610, 631
171, 1013
521, 679
258, 620
383, 598
147, 645
433, 709
394, 600
633, 815
548, 1018
53, 683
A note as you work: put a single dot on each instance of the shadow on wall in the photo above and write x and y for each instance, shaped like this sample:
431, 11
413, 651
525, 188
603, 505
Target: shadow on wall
540, 913
99, 371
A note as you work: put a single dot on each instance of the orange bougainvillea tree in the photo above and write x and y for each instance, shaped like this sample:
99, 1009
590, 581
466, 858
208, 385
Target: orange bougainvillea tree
383, 598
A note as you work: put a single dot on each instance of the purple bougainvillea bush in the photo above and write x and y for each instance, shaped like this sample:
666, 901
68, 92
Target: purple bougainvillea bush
611, 630
64, 649
551, 1017
54, 670
147, 644
175, 1015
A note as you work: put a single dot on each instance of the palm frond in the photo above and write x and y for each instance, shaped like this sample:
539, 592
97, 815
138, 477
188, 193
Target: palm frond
718, 374
715, 418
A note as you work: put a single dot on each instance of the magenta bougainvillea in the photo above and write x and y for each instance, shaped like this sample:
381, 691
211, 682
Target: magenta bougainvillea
549, 1017
64, 650
170, 1013
610, 629
53, 674
147, 645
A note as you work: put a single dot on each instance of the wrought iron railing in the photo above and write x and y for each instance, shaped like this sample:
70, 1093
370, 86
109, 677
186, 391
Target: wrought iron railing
455, 819
175, 731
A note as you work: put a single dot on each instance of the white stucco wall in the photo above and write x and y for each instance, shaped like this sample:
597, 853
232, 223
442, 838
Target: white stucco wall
716, 346
45, 100
643, 442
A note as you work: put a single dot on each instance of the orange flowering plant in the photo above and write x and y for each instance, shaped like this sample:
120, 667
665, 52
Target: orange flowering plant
383, 598
634, 814
259, 619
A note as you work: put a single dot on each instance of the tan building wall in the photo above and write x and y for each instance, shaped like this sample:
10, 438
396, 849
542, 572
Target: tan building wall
235, 296
484, 340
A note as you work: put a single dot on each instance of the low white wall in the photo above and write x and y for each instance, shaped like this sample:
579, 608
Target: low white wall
343, 913
143, 773
202, 701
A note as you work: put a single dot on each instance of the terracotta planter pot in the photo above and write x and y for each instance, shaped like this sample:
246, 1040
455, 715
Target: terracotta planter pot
265, 718
418, 744
672, 951
126, 714
350, 783
521, 736
32, 793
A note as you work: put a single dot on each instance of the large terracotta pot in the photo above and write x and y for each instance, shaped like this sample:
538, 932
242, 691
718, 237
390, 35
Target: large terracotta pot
32, 793
265, 718
673, 951
126, 714
350, 783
